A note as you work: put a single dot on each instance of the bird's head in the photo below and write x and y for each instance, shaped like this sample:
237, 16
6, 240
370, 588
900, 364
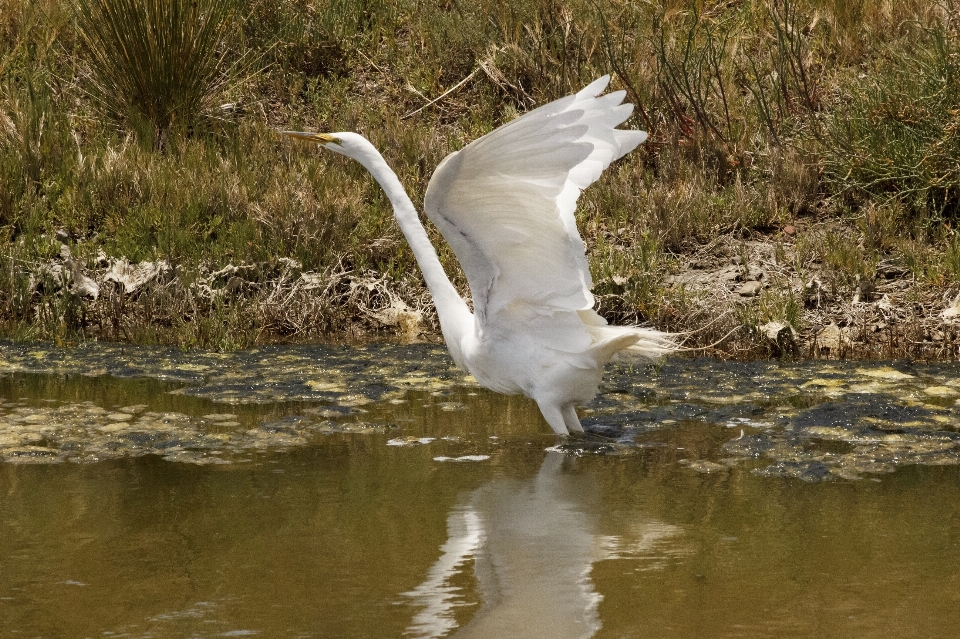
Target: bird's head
349, 144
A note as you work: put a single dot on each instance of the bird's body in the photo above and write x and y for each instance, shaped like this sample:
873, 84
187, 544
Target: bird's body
505, 204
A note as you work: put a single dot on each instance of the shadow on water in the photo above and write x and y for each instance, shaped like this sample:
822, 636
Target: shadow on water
324, 491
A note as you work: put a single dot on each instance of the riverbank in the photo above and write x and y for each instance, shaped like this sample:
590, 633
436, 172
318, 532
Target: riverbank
798, 194
738, 298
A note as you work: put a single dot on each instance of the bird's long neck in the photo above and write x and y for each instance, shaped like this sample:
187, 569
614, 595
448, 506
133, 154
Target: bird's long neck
453, 312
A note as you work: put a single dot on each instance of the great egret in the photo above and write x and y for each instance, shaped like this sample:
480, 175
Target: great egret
505, 203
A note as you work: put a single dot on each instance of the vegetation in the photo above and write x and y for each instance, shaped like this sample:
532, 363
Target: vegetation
810, 144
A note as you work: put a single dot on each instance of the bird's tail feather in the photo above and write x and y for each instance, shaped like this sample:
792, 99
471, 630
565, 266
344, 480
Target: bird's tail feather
651, 344
632, 342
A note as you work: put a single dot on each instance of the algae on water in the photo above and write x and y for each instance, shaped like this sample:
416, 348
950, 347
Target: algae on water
809, 420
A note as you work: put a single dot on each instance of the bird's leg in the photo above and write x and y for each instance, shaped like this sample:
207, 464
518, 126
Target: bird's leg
554, 417
571, 420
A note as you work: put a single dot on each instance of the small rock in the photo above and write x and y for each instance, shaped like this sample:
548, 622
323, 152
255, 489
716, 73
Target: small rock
830, 338
779, 333
728, 274
749, 289
789, 229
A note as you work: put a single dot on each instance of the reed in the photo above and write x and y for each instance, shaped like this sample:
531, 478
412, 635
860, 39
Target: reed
157, 66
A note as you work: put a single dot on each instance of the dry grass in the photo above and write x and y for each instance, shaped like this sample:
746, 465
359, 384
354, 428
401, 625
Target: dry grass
763, 116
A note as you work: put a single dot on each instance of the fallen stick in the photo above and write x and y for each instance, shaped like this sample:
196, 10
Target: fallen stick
442, 95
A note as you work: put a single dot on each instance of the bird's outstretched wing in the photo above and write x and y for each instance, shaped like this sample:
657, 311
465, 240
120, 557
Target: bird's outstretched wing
505, 203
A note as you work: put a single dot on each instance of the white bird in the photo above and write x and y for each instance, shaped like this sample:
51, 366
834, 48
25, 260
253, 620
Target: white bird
505, 204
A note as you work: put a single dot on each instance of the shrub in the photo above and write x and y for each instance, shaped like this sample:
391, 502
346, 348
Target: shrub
897, 136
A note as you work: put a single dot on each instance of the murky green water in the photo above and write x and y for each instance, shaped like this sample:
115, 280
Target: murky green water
376, 492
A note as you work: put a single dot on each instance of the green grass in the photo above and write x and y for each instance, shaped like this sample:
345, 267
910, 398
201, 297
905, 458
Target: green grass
147, 130
897, 137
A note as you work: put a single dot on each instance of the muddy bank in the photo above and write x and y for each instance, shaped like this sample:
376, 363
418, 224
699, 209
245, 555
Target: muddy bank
768, 295
787, 305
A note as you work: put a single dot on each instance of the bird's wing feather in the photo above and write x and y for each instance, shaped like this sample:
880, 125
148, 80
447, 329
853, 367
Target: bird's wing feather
505, 203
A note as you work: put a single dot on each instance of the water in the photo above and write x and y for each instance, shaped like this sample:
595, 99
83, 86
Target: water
376, 491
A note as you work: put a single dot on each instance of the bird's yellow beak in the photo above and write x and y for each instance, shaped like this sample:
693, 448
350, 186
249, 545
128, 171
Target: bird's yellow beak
322, 138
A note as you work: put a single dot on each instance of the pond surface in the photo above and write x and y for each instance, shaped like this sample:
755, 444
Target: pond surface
377, 492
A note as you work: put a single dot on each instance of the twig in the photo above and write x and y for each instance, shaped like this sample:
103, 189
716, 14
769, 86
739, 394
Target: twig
442, 95
495, 76
372, 63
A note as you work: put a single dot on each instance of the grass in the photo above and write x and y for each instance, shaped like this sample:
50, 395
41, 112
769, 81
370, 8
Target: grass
898, 137
146, 131
157, 67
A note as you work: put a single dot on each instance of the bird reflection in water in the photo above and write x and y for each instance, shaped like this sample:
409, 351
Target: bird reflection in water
532, 545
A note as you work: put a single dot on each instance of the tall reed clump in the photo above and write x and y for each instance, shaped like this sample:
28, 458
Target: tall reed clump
158, 65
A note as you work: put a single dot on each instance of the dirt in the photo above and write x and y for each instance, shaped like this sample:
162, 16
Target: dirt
733, 298
754, 281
